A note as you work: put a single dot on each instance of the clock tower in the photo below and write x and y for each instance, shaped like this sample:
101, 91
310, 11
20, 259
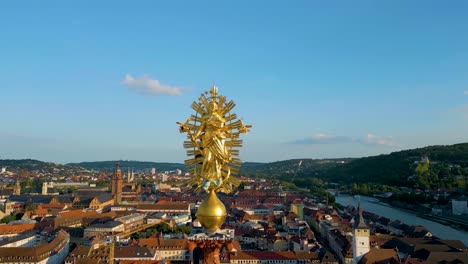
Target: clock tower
361, 235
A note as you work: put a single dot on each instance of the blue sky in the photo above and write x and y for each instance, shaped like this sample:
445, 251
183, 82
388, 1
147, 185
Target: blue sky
84, 81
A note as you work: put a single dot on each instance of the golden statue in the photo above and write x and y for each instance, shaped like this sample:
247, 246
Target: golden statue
213, 134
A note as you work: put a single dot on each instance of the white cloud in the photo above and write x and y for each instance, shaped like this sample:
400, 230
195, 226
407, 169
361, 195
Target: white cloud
372, 139
462, 110
322, 138
369, 139
146, 85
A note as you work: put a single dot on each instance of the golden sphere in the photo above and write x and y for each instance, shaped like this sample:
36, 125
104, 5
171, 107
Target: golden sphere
211, 213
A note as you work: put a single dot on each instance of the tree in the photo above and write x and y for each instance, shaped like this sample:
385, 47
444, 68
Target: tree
30, 207
184, 229
163, 227
7, 219
18, 216
71, 189
422, 172
136, 235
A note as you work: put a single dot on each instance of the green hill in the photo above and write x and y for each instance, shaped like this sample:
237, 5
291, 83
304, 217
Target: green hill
37, 166
396, 167
124, 164
291, 168
448, 168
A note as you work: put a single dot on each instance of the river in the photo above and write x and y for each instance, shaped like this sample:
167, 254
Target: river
439, 230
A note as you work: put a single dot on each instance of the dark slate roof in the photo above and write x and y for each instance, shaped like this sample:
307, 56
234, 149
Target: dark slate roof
83, 194
403, 246
6, 192
133, 252
36, 199
85, 201
65, 198
127, 189
52, 190
104, 197
109, 224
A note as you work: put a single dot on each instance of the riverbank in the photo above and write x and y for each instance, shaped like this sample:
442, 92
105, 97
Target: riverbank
377, 201
437, 228
395, 207
453, 222
448, 221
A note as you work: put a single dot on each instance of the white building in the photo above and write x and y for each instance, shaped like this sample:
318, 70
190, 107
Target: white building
108, 228
28, 239
460, 205
262, 257
361, 235
167, 249
53, 252
132, 221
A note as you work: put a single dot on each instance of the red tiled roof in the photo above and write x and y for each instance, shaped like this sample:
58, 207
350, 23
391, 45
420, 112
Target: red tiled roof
53, 206
380, 255
164, 205
40, 211
144, 261
263, 255
15, 229
77, 212
163, 243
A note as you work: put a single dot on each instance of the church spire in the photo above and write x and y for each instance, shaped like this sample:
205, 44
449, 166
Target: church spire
359, 219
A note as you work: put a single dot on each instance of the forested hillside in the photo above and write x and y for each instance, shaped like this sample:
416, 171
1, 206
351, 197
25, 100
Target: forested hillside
23, 166
448, 167
124, 164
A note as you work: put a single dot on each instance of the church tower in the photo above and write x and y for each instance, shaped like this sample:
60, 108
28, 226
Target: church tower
117, 184
132, 176
44, 188
361, 234
7, 207
17, 188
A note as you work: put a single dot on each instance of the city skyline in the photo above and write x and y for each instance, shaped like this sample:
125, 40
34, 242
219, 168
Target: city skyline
108, 81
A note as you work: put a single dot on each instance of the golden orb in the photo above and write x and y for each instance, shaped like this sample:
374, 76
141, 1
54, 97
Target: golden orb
211, 213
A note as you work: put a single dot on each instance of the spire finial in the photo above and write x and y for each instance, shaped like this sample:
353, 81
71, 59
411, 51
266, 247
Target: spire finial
214, 91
